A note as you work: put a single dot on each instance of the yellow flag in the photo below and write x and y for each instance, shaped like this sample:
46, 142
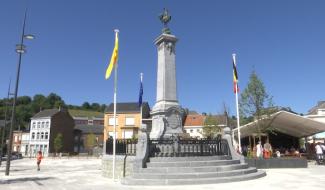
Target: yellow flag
113, 58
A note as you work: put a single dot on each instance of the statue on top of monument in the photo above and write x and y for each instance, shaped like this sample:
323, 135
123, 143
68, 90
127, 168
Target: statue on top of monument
165, 18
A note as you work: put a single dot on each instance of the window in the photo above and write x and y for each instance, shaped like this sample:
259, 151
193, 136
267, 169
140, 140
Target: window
90, 122
111, 134
43, 124
129, 121
191, 131
33, 125
198, 130
33, 135
127, 134
46, 135
47, 124
37, 135
111, 121
38, 125
42, 135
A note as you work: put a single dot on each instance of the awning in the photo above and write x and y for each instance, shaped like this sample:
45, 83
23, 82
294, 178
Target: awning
284, 122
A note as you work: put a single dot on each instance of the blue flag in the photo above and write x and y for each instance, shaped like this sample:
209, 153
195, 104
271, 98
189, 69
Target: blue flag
140, 93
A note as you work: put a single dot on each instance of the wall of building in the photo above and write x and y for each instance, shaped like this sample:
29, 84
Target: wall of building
39, 136
123, 128
194, 131
62, 123
320, 117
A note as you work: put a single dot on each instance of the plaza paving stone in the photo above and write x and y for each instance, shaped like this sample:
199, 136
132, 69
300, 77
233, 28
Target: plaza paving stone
85, 173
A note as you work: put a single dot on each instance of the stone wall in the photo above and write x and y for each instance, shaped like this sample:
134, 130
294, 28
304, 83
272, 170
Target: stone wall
107, 166
277, 163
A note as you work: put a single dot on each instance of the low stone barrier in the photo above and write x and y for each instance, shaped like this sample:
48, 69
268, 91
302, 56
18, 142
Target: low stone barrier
107, 166
277, 163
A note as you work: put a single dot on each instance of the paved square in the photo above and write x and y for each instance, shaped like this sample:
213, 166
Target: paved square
86, 174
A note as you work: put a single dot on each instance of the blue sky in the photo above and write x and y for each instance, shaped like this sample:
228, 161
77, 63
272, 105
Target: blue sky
284, 41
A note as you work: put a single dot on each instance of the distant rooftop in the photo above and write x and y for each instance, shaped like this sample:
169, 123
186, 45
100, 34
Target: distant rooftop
46, 113
127, 107
85, 113
313, 110
194, 120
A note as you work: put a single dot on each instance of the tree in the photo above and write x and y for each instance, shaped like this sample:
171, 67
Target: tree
95, 106
59, 104
39, 103
58, 142
85, 105
210, 126
90, 141
25, 100
255, 101
52, 98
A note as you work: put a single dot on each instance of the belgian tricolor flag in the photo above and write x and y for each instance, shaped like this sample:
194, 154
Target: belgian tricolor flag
235, 75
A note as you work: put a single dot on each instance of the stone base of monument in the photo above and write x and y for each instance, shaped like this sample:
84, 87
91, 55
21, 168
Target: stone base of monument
192, 170
181, 162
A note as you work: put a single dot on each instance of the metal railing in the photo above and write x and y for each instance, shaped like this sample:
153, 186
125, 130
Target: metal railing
123, 146
172, 147
184, 148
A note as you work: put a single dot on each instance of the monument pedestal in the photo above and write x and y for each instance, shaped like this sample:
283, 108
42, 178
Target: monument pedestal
166, 114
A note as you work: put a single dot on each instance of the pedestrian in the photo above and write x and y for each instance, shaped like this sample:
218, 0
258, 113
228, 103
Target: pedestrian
39, 158
319, 153
259, 150
267, 150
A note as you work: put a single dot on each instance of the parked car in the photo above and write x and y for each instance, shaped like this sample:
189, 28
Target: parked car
14, 156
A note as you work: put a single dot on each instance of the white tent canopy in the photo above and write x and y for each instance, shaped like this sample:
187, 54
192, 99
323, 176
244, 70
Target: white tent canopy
284, 122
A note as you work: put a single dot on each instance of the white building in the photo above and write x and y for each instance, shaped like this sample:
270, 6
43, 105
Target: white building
317, 113
193, 125
24, 147
45, 126
39, 135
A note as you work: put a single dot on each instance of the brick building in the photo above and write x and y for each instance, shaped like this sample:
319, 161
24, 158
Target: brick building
128, 119
45, 126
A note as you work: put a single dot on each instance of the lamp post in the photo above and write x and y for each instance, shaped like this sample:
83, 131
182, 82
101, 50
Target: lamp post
20, 49
5, 124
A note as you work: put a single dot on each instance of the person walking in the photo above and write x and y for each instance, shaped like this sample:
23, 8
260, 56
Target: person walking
267, 150
319, 153
259, 150
39, 158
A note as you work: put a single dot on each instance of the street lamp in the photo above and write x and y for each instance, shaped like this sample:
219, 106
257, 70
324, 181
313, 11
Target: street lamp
5, 124
20, 49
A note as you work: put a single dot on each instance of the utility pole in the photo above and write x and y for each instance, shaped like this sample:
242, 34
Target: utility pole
20, 49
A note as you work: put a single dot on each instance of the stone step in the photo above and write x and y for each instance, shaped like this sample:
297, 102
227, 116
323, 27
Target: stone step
164, 170
193, 175
191, 181
194, 158
191, 163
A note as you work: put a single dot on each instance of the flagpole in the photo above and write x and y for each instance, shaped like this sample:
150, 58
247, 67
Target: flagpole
237, 109
141, 78
115, 90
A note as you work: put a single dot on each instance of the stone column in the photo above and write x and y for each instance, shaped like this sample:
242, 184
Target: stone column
166, 113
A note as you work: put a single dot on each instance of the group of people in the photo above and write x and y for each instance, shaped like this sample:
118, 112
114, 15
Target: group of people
259, 151
264, 151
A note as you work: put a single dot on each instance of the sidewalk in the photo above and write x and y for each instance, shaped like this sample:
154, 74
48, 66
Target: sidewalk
86, 174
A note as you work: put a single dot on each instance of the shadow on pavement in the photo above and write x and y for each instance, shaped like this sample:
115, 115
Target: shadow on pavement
26, 179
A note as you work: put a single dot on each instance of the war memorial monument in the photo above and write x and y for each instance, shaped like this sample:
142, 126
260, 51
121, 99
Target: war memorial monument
164, 156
